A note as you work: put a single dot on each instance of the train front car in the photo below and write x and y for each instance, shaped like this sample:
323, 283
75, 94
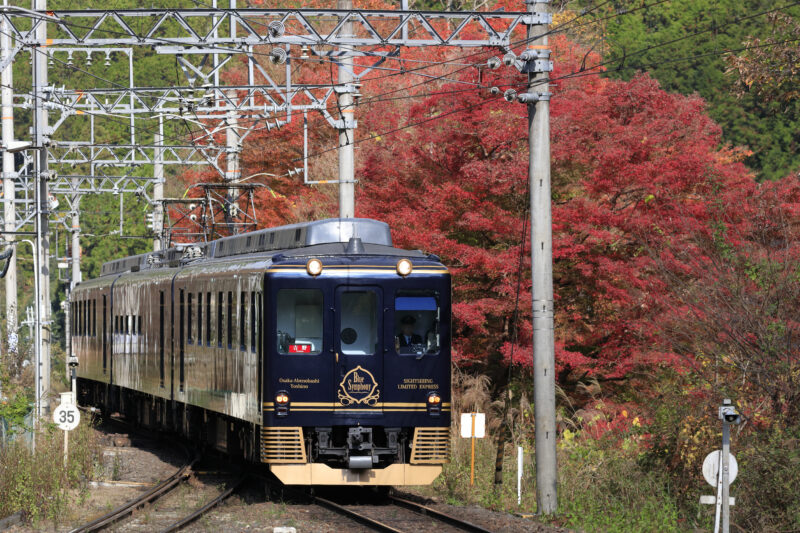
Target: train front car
357, 380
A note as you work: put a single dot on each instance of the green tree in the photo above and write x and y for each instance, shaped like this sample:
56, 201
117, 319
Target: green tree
683, 44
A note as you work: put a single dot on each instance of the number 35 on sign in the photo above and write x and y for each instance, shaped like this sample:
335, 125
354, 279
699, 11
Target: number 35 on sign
66, 416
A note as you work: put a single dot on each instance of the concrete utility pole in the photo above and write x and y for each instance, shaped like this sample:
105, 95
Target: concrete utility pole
544, 392
7, 96
158, 186
40, 136
347, 191
232, 172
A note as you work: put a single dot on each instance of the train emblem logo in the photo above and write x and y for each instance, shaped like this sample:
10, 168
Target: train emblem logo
359, 387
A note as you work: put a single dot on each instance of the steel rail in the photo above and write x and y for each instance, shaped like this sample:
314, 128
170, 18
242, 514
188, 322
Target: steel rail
353, 515
442, 517
128, 507
204, 509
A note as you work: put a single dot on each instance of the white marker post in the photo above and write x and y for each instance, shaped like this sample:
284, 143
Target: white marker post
67, 417
473, 426
519, 475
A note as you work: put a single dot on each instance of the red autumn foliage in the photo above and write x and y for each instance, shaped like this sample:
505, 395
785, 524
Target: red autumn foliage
641, 191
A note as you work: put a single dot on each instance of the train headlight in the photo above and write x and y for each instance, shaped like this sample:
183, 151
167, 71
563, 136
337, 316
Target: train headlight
314, 267
282, 403
434, 404
404, 267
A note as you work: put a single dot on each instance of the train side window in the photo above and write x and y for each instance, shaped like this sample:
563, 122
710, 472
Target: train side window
299, 324
161, 337
253, 320
181, 325
229, 336
199, 318
208, 318
189, 300
242, 322
416, 322
105, 337
139, 325
220, 296
358, 333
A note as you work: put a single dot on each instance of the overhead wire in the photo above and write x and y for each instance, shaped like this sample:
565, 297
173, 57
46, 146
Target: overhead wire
576, 74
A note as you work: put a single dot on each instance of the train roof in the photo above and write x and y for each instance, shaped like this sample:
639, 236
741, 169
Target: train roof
325, 237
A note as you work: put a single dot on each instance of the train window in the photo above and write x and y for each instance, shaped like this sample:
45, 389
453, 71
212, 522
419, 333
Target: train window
105, 338
199, 318
300, 321
181, 325
219, 318
358, 332
190, 299
208, 318
229, 337
242, 316
161, 337
139, 326
416, 322
253, 321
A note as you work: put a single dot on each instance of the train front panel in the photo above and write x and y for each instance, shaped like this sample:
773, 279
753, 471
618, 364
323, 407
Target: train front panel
357, 373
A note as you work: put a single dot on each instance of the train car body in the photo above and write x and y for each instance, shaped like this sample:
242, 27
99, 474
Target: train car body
317, 348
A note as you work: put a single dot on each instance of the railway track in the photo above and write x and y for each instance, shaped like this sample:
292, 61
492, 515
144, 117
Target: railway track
148, 496
358, 514
160, 490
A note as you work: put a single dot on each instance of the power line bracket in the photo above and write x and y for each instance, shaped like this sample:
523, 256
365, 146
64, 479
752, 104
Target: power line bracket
535, 19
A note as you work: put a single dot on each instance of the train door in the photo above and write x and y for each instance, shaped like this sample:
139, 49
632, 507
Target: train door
358, 349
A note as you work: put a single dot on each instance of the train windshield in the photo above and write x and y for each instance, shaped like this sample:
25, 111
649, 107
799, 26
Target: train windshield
299, 314
416, 322
359, 322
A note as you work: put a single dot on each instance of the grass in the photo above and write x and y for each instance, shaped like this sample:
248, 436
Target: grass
39, 484
603, 486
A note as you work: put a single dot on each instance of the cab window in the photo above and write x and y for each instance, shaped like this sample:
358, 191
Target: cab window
416, 322
358, 333
299, 321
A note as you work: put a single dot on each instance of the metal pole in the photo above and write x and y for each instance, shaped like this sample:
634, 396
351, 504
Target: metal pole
7, 96
346, 131
232, 173
542, 275
158, 187
42, 209
76, 242
726, 452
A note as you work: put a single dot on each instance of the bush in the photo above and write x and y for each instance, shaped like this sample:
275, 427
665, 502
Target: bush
37, 483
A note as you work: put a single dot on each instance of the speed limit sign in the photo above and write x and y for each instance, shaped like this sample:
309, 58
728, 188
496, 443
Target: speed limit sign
66, 416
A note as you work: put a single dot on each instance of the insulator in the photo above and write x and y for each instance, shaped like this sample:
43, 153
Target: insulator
495, 90
510, 95
88, 59
69, 59
108, 59
493, 62
278, 55
276, 29
509, 59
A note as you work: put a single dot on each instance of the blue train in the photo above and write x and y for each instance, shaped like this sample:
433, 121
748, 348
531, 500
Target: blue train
317, 348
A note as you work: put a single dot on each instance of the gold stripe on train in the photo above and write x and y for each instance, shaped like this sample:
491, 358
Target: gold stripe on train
334, 404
